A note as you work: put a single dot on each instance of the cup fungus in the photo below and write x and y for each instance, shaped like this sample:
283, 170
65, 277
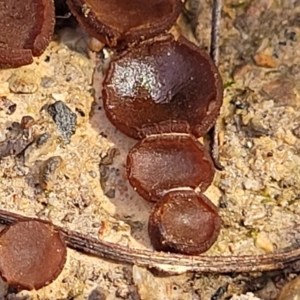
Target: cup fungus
125, 21
184, 222
26, 28
32, 254
163, 85
163, 162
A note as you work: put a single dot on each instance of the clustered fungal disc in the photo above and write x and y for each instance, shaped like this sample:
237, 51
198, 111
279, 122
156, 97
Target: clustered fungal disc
32, 254
184, 222
169, 169
26, 28
163, 86
121, 21
168, 92
163, 162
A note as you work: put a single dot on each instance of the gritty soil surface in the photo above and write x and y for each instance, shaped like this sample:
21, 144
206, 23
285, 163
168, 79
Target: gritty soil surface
66, 163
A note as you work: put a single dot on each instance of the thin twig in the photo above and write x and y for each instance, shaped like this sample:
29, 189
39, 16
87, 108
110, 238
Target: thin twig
214, 53
146, 258
215, 30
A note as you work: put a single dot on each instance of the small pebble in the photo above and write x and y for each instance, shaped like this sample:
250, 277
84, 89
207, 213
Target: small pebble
47, 81
264, 60
4, 88
64, 119
248, 296
24, 82
95, 45
263, 242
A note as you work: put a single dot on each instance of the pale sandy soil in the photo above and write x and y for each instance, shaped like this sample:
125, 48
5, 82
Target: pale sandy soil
257, 193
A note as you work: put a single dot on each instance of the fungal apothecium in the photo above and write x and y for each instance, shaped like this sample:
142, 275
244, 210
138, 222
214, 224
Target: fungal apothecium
191, 231
161, 86
32, 254
118, 22
164, 91
26, 28
163, 162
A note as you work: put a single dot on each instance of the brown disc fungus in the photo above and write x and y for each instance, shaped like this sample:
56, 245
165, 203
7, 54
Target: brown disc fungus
32, 254
161, 86
26, 28
162, 162
184, 222
125, 21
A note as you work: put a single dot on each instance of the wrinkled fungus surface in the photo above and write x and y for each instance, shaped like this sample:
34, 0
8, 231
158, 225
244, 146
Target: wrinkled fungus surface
161, 86
184, 222
26, 28
126, 21
32, 254
162, 162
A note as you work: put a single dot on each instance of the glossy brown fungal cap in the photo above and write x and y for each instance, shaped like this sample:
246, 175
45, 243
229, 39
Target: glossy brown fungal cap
32, 254
162, 162
26, 28
125, 21
163, 86
184, 222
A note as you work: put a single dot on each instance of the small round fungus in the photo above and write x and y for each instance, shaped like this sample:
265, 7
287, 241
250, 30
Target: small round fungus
184, 222
163, 85
163, 162
26, 28
32, 254
125, 21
